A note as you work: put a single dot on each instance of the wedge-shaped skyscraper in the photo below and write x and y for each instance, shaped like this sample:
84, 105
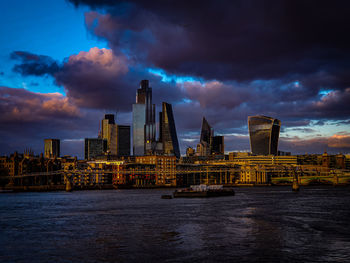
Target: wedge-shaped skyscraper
263, 132
167, 131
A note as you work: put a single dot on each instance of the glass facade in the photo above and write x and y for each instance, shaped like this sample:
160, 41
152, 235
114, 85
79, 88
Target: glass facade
218, 146
168, 134
264, 134
94, 147
138, 128
51, 148
109, 133
204, 148
144, 97
123, 144
206, 132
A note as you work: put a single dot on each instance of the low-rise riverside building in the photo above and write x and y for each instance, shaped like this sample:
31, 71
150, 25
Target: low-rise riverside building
165, 168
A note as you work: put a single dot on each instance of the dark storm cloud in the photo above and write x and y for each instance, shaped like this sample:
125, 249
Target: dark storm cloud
333, 105
337, 143
32, 64
268, 57
239, 40
27, 118
289, 59
97, 79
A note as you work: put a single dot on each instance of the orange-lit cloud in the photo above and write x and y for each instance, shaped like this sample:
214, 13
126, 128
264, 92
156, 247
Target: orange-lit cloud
25, 106
339, 141
102, 58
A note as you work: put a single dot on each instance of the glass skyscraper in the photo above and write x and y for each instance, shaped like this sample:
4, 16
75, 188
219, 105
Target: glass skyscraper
94, 147
117, 136
217, 145
205, 144
263, 133
109, 133
206, 132
51, 148
167, 131
123, 140
144, 121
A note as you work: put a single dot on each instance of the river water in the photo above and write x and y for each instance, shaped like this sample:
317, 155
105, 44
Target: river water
261, 224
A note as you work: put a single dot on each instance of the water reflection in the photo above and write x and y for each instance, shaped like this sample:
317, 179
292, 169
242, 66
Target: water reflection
258, 224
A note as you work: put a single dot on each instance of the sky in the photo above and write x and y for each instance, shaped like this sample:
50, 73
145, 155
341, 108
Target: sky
64, 64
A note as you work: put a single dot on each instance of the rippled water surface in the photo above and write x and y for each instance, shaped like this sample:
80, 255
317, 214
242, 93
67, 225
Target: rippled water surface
270, 224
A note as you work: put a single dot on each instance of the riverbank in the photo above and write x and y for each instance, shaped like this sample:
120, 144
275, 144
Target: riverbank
53, 188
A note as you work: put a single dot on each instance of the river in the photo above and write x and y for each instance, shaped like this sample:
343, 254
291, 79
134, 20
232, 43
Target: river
258, 224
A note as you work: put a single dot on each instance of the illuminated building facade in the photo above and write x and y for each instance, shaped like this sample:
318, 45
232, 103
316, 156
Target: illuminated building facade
109, 133
165, 168
263, 133
190, 152
117, 136
209, 144
51, 148
167, 129
144, 127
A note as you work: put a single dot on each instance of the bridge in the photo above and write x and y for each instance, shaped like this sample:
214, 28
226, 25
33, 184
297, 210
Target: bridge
183, 177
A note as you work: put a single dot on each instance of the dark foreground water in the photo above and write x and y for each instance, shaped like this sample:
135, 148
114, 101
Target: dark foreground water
270, 224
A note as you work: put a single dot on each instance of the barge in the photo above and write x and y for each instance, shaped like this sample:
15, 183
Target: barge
204, 191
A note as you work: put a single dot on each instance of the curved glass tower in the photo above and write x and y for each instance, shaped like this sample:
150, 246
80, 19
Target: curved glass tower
263, 133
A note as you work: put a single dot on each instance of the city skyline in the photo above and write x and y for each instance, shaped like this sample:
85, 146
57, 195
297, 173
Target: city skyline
66, 64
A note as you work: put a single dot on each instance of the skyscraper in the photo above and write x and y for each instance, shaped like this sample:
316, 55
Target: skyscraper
123, 140
205, 143
94, 147
167, 131
117, 136
218, 146
109, 133
263, 133
51, 148
206, 132
144, 128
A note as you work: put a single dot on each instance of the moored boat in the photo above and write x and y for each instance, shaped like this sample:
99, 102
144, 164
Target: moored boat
204, 191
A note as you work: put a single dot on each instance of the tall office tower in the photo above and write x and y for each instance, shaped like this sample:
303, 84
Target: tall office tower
51, 148
123, 140
144, 121
167, 128
138, 128
218, 146
109, 132
263, 132
205, 143
117, 136
94, 147
206, 132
